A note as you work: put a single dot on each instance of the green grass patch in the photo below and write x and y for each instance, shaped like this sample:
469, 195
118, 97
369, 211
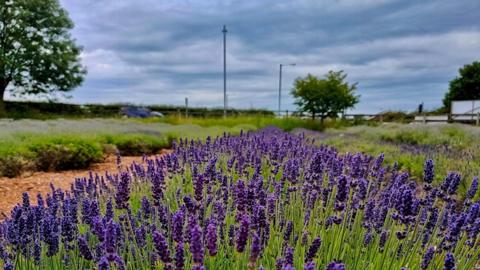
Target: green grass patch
286, 124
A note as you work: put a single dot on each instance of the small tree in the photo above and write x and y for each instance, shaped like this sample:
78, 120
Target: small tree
465, 87
37, 54
325, 97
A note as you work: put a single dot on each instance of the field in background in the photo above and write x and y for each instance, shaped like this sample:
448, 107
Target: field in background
74, 144
452, 147
63, 144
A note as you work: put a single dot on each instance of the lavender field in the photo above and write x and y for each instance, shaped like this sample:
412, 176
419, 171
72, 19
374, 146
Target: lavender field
261, 200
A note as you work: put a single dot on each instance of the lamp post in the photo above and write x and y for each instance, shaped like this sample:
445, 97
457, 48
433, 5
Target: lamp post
224, 31
280, 87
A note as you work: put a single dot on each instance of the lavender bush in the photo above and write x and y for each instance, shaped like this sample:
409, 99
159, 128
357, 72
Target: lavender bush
261, 200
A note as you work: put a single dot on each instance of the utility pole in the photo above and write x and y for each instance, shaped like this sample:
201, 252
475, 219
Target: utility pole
280, 91
186, 107
280, 87
224, 31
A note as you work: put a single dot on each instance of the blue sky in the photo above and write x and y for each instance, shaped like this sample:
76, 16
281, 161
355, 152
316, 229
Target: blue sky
400, 52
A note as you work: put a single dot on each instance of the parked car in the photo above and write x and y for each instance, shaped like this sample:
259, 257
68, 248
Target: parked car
139, 112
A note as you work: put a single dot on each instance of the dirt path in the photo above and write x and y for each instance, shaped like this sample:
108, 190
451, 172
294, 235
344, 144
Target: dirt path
11, 189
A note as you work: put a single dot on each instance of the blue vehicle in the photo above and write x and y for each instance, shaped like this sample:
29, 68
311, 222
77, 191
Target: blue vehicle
139, 112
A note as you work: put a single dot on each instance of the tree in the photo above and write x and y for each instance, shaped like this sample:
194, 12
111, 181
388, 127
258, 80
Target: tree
37, 53
326, 97
465, 87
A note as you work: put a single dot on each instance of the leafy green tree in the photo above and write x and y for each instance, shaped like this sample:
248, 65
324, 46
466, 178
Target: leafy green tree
465, 87
326, 97
37, 53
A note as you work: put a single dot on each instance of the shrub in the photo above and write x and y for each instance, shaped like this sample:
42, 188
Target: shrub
12, 166
138, 144
65, 153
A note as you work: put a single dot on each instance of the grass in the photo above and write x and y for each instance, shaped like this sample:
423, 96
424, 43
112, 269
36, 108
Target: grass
286, 124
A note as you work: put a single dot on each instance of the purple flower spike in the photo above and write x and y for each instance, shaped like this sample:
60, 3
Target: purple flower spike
289, 256
449, 262
123, 191
103, 264
196, 244
26, 200
313, 249
161, 246
212, 238
473, 188
342, 192
427, 258
309, 266
335, 266
288, 231
179, 257
84, 249
178, 220
242, 235
451, 182
256, 249
428, 171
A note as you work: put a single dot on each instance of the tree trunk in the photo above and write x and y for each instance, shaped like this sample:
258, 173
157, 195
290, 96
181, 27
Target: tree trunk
3, 87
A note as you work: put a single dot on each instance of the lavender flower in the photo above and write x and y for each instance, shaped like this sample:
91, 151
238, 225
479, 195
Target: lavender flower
342, 192
196, 244
146, 208
473, 189
123, 191
312, 250
37, 252
179, 257
289, 256
449, 262
427, 258
367, 239
158, 183
161, 246
178, 220
84, 249
309, 266
211, 238
242, 235
428, 171
103, 264
256, 248
451, 183
288, 231
335, 266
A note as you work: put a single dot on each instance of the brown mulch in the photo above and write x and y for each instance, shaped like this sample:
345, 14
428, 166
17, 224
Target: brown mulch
11, 189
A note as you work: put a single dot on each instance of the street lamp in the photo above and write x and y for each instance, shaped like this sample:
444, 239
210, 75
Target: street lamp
280, 87
224, 31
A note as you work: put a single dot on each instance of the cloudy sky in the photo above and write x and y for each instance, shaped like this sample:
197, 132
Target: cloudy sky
400, 52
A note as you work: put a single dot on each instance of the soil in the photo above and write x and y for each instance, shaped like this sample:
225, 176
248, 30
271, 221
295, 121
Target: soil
11, 189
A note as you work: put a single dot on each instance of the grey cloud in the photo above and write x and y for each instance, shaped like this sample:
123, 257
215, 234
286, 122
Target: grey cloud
145, 51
